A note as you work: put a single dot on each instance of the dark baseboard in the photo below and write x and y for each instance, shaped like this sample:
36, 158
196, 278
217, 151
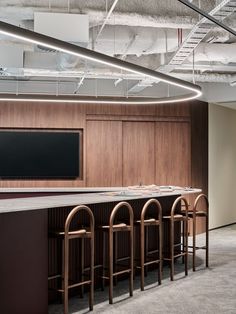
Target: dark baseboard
233, 223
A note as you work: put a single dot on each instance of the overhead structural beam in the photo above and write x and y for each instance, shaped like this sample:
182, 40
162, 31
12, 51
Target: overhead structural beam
208, 16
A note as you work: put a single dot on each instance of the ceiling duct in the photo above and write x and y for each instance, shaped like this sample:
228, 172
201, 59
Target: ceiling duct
11, 56
137, 40
72, 28
224, 53
53, 25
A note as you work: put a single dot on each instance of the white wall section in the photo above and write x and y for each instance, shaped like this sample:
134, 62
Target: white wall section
222, 165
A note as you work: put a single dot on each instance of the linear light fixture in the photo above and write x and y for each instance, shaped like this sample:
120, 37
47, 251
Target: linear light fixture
65, 47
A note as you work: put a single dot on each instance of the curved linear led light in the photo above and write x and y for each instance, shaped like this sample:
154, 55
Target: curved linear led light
62, 46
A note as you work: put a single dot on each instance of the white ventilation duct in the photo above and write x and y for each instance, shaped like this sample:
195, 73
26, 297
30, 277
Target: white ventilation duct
64, 26
96, 17
11, 56
224, 53
206, 78
136, 40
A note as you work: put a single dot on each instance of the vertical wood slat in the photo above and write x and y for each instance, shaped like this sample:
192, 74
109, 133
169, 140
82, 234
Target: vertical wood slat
173, 153
138, 153
104, 153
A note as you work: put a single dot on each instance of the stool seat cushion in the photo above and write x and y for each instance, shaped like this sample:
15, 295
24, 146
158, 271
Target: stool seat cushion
198, 213
74, 232
61, 233
120, 225
175, 217
147, 220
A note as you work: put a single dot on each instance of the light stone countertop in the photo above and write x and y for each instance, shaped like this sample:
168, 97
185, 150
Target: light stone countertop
60, 189
45, 202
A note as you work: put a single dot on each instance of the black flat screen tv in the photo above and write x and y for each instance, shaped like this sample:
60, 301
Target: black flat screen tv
39, 155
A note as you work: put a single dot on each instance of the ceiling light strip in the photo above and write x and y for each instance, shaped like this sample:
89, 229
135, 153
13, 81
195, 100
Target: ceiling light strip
65, 47
94, 100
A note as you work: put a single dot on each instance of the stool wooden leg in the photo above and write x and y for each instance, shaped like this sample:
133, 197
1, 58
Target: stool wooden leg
142, 248
160, 254
194, 243
135, 257
186, 245
183, 241
115, 255
66, 275
110, 266
145, 248
91, 294
82, 267
171, 250
60, 282
131, 277
207, 240
103, 260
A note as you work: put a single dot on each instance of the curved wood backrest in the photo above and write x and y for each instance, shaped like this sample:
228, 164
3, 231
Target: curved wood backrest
116, 209
176, 202
69, 219
73, 212
147, 206
198, 199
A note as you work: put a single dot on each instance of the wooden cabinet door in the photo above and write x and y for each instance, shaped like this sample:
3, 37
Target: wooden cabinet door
104, 153
138, 153
173, 153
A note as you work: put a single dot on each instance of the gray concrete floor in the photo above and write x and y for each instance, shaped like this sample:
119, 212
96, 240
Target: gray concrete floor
211, 290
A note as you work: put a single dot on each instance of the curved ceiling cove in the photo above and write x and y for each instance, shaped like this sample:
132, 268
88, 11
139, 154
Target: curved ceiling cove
192, 91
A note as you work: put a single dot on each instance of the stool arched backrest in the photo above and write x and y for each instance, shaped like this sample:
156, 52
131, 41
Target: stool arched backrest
202, 202
79, 233
144, 211
72, 214
149, 222
117, 208
114, 228
114, 212
182, 200
178, 214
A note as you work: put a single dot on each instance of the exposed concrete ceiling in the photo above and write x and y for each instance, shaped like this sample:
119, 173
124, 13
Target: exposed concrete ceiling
147, 33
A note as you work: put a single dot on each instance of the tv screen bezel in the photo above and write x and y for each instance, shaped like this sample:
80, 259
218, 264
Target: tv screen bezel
51, 178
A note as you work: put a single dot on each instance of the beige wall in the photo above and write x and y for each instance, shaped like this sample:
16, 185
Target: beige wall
222, 165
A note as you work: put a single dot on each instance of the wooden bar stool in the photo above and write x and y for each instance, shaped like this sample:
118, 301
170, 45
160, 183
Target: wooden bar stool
66, 236
144, 223
178, 249
111, 230
202, 202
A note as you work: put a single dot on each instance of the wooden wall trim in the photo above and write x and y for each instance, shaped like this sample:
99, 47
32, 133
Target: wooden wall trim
146, 118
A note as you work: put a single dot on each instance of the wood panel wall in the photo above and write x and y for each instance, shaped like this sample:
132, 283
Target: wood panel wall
138, 153
104, 155
123, 145
173, 153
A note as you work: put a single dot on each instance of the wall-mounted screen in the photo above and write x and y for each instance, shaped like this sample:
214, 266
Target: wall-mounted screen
39, 154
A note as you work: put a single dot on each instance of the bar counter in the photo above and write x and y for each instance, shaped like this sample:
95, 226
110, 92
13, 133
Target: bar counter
82, 196
24, 244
